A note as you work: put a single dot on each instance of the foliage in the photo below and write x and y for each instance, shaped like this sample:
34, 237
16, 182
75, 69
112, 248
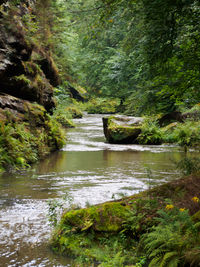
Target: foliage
102, 106
169, 242
185, 134
63, 116
189, 165
143, 52
74, 111
17, 145
24, 143
151, 133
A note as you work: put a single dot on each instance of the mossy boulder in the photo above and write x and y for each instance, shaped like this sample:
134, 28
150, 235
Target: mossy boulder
71, 234
107, 217
122, 129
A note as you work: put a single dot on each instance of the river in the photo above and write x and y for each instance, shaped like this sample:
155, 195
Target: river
88, 170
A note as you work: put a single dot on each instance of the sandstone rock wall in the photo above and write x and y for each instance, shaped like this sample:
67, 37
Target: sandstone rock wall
26, 70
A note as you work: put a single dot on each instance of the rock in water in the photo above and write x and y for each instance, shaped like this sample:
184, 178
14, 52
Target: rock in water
122, 129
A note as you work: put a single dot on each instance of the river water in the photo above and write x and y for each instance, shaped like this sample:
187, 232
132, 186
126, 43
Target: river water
88, 170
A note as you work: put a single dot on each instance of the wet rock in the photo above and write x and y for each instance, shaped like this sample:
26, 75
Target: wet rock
14, 109
174, 116
48, 67
76, 94
122, 129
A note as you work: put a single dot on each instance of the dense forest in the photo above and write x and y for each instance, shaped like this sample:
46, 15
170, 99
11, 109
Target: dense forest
140, 58
145, 53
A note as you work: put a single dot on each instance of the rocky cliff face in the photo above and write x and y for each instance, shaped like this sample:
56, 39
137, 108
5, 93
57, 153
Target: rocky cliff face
27, 77
26, 71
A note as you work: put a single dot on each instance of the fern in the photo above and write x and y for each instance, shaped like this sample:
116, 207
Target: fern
168, 243
155, 262
170, 259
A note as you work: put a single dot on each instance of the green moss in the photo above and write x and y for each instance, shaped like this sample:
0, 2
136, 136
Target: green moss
107, 218
32, 69
35, 114
119, 132
25, 141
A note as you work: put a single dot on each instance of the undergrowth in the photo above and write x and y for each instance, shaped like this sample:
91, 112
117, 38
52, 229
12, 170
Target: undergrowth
22, 143
102, 106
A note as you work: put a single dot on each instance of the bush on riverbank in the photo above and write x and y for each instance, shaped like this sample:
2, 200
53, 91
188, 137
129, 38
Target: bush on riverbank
63, 116
130, 232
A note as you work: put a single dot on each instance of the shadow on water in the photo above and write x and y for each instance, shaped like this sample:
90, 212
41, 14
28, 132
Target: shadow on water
90, 170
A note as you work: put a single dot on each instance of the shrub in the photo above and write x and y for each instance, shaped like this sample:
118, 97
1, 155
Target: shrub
74, 111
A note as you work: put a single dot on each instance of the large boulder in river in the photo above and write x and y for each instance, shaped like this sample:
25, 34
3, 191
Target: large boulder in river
122, 129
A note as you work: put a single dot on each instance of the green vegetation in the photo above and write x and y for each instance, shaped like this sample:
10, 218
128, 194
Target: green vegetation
138, 57
22, 143
151, 133
102, 106
144, 52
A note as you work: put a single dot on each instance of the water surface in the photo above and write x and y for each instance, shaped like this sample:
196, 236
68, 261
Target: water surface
89, 170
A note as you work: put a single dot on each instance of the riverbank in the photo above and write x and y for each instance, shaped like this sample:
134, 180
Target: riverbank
145, 229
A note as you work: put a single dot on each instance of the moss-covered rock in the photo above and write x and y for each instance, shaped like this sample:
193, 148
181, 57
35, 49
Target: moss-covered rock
107, 217
121, 129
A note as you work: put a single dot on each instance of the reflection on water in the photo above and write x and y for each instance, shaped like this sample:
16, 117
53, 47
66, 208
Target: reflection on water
90, 170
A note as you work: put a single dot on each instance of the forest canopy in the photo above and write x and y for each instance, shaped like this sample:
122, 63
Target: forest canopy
147, 53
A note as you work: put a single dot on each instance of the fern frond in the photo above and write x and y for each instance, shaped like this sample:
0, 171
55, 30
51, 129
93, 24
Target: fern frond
158, 252
170, 258
155, 262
